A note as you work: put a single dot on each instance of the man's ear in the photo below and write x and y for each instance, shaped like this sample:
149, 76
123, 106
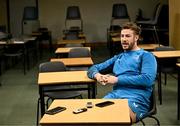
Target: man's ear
137, 37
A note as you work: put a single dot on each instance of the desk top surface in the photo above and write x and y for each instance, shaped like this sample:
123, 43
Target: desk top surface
67, 49
117, 113
143, 46
66, 77
167, 54
148, 46
178, 64
83, 61
116, 39
17, 40
77, 41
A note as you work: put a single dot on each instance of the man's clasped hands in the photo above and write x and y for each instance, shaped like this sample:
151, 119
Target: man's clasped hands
106, 79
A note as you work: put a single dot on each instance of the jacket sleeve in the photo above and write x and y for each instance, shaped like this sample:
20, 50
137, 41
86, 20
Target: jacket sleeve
102, 67
146, 76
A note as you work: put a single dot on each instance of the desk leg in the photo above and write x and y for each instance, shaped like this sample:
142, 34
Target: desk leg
24, 56
42, 104
178, 99
159, 83
50, 44
94, 90
89, 91
160, 88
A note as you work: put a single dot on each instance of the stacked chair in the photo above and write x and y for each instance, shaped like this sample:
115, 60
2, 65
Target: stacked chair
119, 16
157, 24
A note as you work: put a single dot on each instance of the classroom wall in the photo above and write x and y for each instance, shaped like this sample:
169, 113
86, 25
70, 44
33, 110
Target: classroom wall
96, 15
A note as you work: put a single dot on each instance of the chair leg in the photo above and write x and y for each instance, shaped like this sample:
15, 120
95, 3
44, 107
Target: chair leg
157, 121
156, 34
159, 88
80, 96
47, 102
24, 64
142, 122
165, 78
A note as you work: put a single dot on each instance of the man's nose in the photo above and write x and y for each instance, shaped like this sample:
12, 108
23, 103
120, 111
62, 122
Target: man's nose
123, 38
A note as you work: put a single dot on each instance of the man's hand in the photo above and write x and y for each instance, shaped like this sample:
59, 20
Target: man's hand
106, 79
100, 78
110, 79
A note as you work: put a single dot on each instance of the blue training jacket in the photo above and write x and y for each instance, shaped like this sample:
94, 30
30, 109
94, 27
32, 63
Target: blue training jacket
136, 72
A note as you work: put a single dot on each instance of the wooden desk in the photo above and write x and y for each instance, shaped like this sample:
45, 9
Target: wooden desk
115, 34
24, 43
117, 40
80, 35
43, 35
65, 78
116, 114
178, 90
149, 47
65, 50
161, 55
167, 54
77, 41
83, 61
143, 46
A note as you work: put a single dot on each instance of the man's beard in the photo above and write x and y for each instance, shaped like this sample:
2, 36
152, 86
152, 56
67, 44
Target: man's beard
130, 46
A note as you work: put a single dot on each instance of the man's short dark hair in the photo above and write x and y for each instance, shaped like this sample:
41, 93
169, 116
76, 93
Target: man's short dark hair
132, 26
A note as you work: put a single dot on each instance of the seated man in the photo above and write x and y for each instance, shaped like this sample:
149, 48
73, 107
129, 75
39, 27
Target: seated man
133, 73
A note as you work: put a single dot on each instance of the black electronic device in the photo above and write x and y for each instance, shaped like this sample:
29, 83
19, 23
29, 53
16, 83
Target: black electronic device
55, 110
105, 103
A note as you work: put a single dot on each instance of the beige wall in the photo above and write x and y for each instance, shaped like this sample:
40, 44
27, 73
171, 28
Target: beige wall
96, 15
174, 21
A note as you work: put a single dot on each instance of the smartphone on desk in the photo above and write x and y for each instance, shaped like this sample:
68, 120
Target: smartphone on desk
55, 110
104, 104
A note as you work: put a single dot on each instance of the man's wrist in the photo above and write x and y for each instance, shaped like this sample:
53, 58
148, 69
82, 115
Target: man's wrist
96, 75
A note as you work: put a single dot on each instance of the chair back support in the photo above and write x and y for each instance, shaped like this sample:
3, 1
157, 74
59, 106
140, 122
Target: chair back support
73, 14
79, 52
71, 36
120, 11
119, 14
52, 67
157, 13
30, 13
164, 48
167, 62
168, 66
152, 110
